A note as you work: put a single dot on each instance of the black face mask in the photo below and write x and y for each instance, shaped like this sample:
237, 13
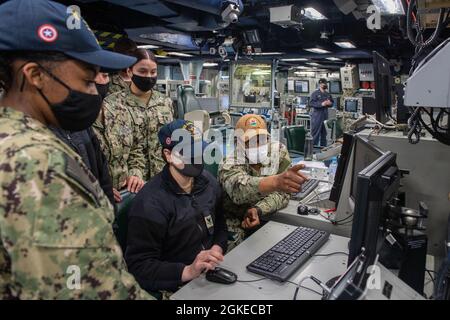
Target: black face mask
103, 89
78, 111
143, 83
191, 170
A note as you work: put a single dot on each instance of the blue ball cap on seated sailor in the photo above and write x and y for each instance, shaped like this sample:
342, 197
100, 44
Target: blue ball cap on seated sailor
42, 25
184, 137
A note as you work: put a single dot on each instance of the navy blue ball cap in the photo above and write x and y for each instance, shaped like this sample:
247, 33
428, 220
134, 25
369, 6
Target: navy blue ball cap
167, 136
42, 25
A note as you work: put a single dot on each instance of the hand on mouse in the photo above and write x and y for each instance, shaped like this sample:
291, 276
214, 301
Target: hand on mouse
205, 260
217, 248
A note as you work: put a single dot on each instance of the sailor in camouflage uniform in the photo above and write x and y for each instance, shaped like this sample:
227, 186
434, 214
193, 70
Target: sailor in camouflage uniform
150, 110
253, 183
160, 112
117, 84
120, 80
56, 238
121, 139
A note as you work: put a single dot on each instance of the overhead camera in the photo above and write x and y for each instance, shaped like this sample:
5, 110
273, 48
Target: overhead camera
231, 14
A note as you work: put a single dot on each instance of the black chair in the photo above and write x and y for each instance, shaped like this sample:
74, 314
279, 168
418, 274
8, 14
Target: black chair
187, 101
121, 223
295, 136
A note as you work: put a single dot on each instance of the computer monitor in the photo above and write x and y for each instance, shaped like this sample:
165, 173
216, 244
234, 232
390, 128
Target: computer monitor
304, 100
301, 86
376, 185
341, 171
334, 87
383, 87
364, 154
351, 105
369, 106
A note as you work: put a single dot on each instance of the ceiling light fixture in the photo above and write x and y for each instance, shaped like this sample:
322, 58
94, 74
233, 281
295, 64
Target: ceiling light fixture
389, 7
266, 53
180, 54
294, 59
345, 44
317, 50
210, 64
313, 14
148, 46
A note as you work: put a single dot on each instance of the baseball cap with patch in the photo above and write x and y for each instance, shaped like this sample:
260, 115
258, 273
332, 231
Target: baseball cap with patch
42, 25
252, 125
188, 138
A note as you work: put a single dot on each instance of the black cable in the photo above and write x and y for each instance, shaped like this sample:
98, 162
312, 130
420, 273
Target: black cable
303, 287
252, 280
415, 127
346, 218
337, 223
428, 270
441, 137
431, 277
331, 254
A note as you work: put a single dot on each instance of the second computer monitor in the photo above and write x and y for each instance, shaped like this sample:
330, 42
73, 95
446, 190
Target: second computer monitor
351, 105
301, 86
364, 154
334, 87
383, 87
375, 185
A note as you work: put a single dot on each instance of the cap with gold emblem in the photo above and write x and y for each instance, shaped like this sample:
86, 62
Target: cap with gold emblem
252, 125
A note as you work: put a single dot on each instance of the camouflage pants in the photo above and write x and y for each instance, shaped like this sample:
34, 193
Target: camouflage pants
235, 233
162, 294
166, 295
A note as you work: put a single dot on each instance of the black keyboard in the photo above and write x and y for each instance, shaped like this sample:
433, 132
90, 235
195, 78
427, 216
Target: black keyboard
307, 188
288, 255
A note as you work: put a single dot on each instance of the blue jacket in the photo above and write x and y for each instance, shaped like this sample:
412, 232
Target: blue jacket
319, 111
166, 229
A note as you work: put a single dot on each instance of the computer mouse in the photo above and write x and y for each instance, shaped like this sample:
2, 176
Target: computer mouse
220, 275
302, 210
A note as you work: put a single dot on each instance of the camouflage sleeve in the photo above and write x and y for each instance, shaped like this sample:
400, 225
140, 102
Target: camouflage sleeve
99, 130
285, 159
169, 104
277, 200
273, 202
136, 160
158, 117
241, 187
56, 231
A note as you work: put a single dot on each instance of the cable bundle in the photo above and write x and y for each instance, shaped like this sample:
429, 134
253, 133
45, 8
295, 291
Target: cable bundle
424, 46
